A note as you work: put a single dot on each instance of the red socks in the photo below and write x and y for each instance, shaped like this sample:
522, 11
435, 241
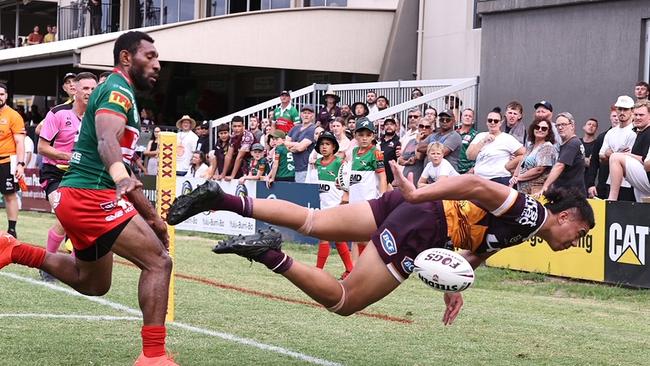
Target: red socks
153, 340
344, 253
323, 253
28, 255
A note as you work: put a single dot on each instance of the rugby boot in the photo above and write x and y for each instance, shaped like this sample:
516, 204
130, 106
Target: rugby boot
205, 197
251, 246
7, 245
163, 360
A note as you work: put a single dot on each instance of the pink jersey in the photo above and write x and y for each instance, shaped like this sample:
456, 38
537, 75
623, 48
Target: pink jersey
60, 129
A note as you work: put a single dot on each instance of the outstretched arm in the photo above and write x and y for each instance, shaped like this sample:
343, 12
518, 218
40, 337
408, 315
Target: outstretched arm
488, 194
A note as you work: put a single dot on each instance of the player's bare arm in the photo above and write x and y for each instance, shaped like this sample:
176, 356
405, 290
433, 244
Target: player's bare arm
47, 150
19, 139
109, 131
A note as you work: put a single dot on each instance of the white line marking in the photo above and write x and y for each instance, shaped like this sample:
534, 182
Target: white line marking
188, 327
70, 316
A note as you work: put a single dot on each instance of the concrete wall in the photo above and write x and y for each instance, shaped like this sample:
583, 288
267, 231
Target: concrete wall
579, 56
450, 47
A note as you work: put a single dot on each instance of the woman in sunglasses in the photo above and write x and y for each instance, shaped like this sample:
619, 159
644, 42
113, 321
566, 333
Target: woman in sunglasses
493, 149
540, 156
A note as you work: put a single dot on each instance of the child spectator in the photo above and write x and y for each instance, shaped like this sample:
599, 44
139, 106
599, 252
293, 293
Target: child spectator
325, 172
259, 166
437, 167
283, 169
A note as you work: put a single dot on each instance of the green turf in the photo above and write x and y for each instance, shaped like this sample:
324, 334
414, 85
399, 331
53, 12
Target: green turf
510, 318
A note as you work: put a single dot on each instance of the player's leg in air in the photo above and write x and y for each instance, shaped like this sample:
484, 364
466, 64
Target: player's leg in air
368, 282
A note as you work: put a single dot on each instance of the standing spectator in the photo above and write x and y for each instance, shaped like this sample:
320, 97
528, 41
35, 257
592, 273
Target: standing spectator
326, 169
432, 115
235, 162
95, 10
447, 136
382, 103
345, 111
35, 37
412, 123
493, 149
389, 145
620, 139
467, 134
437, 166
597, 168
359, 110
285, 115
300, 142
530, 175
416, 93
186, 141
259, 166
282, 169
103, 76
371, 101
453, 104
69, 86
151, 153
634, 165
217, 156
569, 169
254, 128
203, 143
338, 129
410, 158
641, 91
198, 167
12, 142
514, 121
544, 112
329, 110
589, 139
51, 34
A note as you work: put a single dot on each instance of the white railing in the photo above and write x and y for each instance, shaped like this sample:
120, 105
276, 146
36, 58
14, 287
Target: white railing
398, 94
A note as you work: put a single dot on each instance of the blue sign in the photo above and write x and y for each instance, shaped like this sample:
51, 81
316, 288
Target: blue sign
305, 195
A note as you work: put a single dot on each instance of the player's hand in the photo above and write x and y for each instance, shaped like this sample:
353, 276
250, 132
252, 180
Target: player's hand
20, 172
218, 177
241, 180
160, 228
227, 178
269, 182
405, 184
125, 186
453, 304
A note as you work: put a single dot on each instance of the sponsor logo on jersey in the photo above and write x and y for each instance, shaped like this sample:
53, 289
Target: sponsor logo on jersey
120, 99
388, 242
529, 214
627, 243
408, 264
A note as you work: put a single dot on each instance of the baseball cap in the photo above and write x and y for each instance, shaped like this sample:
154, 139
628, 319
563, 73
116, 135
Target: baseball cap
624, 102
364, 123
285, 92
279, 133
390, 120
445, 112
68, 76
257, 147
544, 103
205, 125
307, 107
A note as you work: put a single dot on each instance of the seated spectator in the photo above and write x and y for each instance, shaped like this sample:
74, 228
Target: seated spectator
410, 158
259, 166
493, 149
151, 152
634, 165
51, 34
35, 37
329, 111
412, 126
568, 171
447, 136
437, 166
198, 167
540, 156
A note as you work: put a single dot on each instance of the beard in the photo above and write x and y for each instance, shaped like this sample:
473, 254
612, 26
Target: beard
389, 133
2, 103
140, 81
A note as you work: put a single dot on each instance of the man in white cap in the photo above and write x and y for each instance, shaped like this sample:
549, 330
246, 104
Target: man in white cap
620, 139
186, 141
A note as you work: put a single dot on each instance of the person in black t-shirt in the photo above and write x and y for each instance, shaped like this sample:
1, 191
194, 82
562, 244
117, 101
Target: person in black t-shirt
389, 145
569, 169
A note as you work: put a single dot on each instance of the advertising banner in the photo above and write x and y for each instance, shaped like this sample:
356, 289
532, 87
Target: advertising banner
305, 195
34, 198
584, 261
627, 237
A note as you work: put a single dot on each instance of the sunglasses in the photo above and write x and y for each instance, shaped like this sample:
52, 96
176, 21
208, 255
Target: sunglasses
425, 126
541, 128
444, 119
490, 120
413, 116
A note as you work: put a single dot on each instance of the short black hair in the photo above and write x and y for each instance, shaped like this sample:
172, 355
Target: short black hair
560, 199
104, 74
85, 75
237, 119
129, 41
4, 86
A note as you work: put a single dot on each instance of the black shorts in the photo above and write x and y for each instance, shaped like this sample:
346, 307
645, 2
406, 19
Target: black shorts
102, 245
7, 181
405, 229
50, 178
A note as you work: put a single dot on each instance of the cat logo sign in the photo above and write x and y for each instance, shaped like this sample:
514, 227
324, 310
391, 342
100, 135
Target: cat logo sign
627, 244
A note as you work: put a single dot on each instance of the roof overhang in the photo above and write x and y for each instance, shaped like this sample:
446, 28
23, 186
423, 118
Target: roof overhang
324, 39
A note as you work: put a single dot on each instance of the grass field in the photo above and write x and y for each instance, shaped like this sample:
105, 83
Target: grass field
229, 312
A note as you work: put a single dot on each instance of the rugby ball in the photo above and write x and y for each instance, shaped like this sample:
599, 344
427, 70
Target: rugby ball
444, 270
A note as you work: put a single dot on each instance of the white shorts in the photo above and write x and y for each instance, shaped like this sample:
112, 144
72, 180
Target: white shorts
638, 178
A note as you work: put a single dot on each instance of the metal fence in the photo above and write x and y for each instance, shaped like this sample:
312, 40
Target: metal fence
75, 20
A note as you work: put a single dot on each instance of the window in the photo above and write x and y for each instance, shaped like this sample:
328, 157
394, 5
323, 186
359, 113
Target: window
477, 16
216, 8
177, 10
275, 4
341, 3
